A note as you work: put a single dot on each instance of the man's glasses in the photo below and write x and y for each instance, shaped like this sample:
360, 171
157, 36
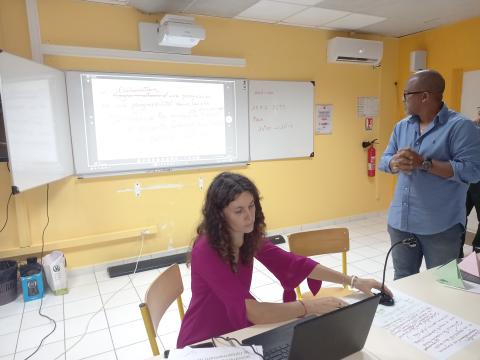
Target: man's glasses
406, 93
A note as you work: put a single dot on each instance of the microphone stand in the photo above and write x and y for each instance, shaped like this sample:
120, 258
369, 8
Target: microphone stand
386, 299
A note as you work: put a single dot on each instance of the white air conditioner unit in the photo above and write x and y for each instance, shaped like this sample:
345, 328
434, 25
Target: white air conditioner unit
354, 51
179, 31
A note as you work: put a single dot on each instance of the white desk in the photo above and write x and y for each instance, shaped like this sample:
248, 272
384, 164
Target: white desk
381, 345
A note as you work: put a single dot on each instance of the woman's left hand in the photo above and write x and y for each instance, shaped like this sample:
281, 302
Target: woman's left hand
366, 286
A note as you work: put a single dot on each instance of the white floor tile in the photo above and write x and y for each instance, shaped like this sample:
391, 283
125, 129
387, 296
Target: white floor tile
81, 279
170, 322
123, 314
32, 337
82, 307
81, 292
368, 266
110, 355
141, 290
10, 324
115, 284
128, 334
269, 293
351, 256
366, 251
46, 352
139, 350
123, 297
49, 299
8, 342
328, 260
169, 341
187, 281
260, 279
32, 318
94, 343
185, 269
102, 275
12, 308
144, 278
78, 325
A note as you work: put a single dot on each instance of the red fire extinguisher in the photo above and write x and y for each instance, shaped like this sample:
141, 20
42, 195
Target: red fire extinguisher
371, 154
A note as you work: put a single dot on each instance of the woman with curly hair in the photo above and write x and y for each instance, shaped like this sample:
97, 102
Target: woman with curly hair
230, 236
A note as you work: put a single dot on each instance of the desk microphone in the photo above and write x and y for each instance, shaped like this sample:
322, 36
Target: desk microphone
386, 299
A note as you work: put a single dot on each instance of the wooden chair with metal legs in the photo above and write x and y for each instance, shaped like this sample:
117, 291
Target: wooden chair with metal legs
319, 242
163, 291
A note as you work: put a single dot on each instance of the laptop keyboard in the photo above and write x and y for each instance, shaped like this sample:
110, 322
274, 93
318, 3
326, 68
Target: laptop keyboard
277, 353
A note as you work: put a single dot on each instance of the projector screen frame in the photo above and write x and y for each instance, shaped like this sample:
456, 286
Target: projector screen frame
81, 110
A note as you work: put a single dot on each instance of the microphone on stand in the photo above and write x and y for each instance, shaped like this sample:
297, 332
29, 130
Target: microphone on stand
386, 299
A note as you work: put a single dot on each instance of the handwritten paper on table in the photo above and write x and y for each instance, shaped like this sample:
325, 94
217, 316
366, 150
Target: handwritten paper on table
216, 353
428, 328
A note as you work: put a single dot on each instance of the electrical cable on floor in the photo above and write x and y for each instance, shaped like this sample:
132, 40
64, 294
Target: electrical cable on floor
41, 301
6, 216
142, 234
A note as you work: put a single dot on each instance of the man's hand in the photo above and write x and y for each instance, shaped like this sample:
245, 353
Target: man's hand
477, 120
405, 160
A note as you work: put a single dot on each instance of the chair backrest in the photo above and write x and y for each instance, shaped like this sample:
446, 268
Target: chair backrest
163, 291
317, 242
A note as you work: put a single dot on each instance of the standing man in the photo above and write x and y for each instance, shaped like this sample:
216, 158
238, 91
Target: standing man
473, 200
436, 154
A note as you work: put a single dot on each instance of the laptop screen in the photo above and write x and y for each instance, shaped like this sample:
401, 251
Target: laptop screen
330, 336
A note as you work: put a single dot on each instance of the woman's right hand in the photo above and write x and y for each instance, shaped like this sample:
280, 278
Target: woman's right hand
323, 305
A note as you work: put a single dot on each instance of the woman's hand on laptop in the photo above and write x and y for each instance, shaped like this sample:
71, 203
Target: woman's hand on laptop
366, 286
324, 305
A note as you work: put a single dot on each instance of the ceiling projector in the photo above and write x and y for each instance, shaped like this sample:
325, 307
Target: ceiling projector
179, 31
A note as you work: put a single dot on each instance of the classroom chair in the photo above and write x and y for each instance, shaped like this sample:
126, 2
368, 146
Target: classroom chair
318, 242
162, 292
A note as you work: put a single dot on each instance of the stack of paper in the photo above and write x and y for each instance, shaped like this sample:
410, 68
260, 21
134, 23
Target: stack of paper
470, 264
449, 275
217, 353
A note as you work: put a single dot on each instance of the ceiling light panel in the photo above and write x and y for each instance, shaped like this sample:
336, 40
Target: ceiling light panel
302, 2
355, 21
221, 8
315, 17
271, 11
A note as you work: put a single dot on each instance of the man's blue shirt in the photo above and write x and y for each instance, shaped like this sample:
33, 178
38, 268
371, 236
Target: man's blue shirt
424, 203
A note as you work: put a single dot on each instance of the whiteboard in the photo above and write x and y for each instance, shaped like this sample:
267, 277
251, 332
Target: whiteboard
34, 101
280, 119
470, 94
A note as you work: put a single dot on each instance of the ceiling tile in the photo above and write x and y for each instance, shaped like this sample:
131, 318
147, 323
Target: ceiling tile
301, 2
154, 6
221, 8
314, 17
267, 10
355, 21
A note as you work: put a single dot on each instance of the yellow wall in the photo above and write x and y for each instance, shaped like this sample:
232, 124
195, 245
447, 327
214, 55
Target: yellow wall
332, 184
451, 50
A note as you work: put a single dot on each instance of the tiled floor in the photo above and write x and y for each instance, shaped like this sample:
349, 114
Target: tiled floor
116, 331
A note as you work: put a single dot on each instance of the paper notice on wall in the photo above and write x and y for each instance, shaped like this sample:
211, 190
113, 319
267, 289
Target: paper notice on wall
426, 327
367, 106
323, 119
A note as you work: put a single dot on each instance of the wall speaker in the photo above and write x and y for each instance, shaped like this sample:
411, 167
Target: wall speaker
418, 60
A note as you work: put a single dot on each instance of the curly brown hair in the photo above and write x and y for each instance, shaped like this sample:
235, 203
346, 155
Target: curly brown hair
224, 189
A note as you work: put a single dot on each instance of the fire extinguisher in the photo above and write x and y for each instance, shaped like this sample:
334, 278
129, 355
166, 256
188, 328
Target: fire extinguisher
371, 154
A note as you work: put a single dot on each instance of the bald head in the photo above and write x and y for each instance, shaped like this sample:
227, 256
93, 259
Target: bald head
429, 80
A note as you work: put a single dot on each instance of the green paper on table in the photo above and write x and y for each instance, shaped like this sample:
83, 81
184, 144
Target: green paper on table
449, 274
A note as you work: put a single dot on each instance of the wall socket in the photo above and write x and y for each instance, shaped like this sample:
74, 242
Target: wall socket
137, 189
201, 183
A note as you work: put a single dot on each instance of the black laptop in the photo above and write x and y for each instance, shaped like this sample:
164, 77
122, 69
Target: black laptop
332, 336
